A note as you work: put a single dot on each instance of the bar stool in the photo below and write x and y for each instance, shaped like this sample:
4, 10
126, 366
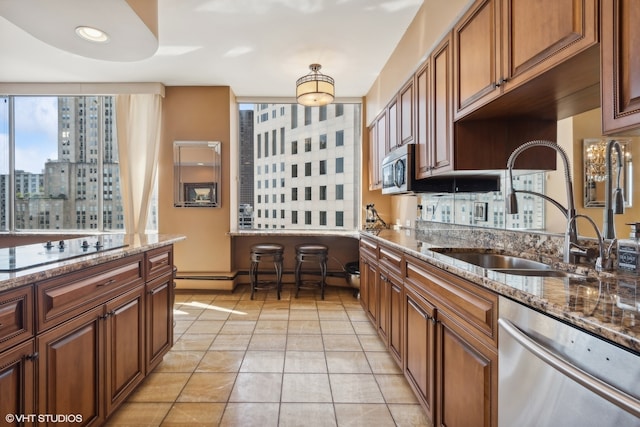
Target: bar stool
315, 253
266, 252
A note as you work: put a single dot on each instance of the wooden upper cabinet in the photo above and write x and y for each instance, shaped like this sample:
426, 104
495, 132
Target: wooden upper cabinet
476, 46
406, 116
392, 123
423, 121
378, 149
620, 66
541, 34
441, 108
501, 44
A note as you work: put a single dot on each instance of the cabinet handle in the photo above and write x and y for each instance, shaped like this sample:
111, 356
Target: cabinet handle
501, 82
105, 316
384, 278
108, 282
32, 356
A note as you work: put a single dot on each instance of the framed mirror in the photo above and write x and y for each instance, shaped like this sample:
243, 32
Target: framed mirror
595, 173
196, 173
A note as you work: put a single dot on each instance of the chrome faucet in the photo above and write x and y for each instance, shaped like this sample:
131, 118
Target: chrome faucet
571, 235
604, 261
608, 227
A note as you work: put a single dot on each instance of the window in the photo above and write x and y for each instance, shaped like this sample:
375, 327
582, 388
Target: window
323, 192
322, 113
339, 219
308, 182
66, 171
323, 218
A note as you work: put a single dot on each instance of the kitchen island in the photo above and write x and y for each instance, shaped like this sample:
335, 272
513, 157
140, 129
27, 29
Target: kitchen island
82, 323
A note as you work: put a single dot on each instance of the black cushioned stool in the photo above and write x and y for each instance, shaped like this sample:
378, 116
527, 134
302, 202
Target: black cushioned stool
266, 252
314, 253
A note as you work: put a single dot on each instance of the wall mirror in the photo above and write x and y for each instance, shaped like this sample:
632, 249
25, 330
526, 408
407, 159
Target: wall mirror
595, 173
196, 173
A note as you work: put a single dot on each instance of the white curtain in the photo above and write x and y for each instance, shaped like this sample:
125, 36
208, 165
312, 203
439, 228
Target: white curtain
139, 121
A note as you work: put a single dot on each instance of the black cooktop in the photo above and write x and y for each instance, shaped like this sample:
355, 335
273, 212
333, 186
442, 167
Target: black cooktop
37, 254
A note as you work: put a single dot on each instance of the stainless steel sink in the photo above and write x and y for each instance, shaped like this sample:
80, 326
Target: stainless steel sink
507, 264
498, 261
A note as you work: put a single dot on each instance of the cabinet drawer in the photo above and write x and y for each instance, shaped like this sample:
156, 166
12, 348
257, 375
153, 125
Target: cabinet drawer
369, 248
158, 261
67, 296
466, 302
391, 259
16, 316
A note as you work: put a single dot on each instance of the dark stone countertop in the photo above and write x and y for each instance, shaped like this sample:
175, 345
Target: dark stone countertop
603, 304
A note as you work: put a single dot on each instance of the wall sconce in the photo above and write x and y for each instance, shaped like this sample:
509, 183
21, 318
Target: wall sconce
315, 89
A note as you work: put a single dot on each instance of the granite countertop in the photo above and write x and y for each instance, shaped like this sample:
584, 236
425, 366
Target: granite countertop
604, 304
294, 233
133, 244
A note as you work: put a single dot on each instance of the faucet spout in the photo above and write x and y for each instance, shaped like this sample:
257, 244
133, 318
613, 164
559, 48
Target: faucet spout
571, 234
616, 206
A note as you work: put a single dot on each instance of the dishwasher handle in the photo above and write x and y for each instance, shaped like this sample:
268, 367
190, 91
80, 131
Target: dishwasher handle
619, 398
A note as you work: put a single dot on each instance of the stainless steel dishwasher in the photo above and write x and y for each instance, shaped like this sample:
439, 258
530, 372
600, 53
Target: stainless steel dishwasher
553, 374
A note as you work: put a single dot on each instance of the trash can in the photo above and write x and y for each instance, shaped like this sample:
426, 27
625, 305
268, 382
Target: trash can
352, 270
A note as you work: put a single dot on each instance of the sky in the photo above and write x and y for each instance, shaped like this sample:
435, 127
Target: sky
36, 132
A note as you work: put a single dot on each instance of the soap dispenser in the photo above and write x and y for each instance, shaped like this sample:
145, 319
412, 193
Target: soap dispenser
629, 251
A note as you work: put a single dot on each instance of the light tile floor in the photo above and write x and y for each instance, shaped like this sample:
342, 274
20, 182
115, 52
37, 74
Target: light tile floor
264, 362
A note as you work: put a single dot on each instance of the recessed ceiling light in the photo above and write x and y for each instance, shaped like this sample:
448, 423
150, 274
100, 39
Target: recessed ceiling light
92, 34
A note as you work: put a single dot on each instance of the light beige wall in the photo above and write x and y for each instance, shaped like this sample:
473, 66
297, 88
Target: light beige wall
588, 125
433, 20
196, 113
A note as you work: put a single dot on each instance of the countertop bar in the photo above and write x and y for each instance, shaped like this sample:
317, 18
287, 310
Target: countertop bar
294, 233
134, 244
603, 304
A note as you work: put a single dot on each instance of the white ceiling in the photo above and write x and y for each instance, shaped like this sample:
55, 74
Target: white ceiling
257, 47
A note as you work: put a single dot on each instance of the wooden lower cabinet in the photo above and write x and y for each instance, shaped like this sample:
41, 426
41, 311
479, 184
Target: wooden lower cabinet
71, 360
419, 354
441, 330
467, 378
17, 381
159, 306
125, 351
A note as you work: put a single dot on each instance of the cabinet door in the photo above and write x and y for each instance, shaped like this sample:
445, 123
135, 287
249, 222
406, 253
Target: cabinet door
420, 347
406, 114
620, 66
17, 381
395, 319
125, 366
16, 316
423, 121
369, 280
375, 183
392, 124
384, 300
71, 368
466, 368
476, 46
540, 34
159, 333
441, 109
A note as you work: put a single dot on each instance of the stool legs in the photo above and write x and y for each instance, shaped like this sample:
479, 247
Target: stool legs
266, 252
323, 271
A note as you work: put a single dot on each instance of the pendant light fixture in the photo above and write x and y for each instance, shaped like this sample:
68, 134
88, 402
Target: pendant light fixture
315, 89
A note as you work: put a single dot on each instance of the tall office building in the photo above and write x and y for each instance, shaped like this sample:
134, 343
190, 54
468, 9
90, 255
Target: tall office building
245, 198
306, 161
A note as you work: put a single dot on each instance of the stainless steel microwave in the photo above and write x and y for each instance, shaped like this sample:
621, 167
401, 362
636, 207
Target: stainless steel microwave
399, 177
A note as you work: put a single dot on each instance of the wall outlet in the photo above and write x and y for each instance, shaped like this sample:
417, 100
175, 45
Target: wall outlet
408, 223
